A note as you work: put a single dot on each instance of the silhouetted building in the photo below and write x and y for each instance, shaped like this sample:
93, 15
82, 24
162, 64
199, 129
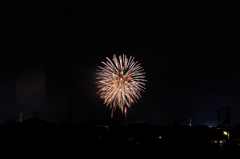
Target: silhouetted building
201, 127
36, 121
12, 122
221, 127
237, 126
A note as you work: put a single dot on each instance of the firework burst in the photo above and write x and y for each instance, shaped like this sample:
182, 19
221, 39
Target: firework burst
120, 82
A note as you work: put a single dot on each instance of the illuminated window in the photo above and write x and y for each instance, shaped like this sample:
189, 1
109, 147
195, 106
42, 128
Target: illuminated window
220, 142
215, 142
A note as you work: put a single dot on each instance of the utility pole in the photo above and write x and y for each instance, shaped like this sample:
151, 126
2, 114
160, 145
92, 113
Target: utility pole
114, 117
219, 115
168, 121
125, 116
228, 115
103, 123
20, 117
70, 110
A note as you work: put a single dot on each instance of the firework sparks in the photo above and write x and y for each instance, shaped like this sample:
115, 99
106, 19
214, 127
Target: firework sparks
120, 82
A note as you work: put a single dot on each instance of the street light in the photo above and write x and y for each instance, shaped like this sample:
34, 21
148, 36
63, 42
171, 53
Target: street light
226, 133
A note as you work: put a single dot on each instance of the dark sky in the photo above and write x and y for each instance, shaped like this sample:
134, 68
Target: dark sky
189, 51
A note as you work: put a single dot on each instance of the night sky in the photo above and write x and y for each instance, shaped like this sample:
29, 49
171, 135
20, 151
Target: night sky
51, 50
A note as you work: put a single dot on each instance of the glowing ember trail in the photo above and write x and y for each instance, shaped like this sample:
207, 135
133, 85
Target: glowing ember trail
120, 82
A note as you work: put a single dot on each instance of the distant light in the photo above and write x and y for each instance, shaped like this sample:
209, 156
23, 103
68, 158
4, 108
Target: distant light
220, 141
210, 126
100, 137
160, 137
107, 127
215, 142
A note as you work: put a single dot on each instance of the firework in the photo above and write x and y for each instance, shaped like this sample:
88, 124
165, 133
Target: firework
120, 82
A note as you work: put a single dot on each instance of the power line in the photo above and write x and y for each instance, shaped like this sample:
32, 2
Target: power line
228, 115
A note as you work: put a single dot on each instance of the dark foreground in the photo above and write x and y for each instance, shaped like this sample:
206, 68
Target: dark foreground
119, 142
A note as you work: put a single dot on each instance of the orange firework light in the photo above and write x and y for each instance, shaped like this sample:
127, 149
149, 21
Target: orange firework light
120, 82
